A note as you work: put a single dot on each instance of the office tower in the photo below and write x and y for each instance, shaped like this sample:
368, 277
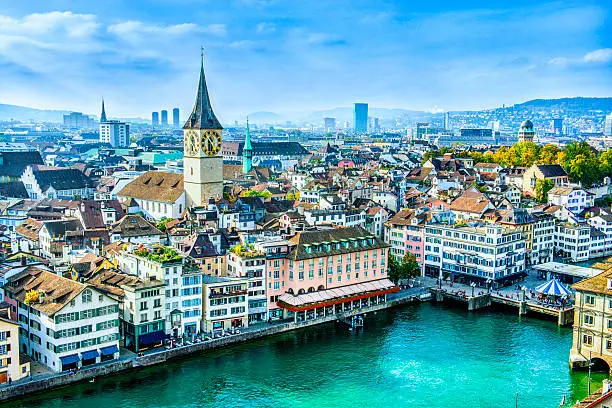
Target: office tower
376, 127
557, 126
113, 132
76, 120
422, 130
360, 118
447, 121
608, 125
175, 118
329, 124
476, 136
155, 119
164, 118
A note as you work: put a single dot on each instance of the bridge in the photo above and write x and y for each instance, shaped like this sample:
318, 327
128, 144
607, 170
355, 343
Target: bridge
564, 316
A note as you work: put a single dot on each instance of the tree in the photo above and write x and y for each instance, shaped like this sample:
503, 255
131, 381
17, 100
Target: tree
253, 193
549, 154
406, 269
293, 196
605, 163
543, 186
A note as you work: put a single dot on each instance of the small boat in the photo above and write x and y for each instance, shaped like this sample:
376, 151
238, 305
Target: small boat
92, 380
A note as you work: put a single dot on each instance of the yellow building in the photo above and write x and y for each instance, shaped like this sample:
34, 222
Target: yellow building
592, 337
11, 367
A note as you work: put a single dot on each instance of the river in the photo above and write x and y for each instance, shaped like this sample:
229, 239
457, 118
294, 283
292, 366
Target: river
415, 356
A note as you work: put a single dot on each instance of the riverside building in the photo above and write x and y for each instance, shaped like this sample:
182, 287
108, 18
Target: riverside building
485, 254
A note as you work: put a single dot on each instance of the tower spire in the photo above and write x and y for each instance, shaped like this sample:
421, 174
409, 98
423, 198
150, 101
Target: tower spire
202, 115
103, 115
247, 151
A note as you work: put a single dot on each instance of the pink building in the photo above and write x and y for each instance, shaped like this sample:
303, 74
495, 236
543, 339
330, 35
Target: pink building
327, 271
405, 233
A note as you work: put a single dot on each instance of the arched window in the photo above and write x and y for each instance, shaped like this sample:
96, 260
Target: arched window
86, 296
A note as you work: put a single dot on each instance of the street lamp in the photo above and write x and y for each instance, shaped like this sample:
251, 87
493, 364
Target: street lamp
473, 285
589, 380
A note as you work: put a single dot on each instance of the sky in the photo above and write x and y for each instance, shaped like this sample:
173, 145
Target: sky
295, 57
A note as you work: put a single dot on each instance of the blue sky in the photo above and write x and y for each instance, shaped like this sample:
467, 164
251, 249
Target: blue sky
299, 56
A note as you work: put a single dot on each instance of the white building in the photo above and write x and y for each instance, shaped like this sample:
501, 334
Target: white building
481, 254
543, 246
344, 218
573, 241
70, 324
251, 265
574, 199
158, 194
226, 304
115, 133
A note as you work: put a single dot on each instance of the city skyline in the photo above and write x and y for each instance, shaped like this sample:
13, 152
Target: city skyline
428, 57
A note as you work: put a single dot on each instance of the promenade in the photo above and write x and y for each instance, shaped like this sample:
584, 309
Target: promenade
128, 360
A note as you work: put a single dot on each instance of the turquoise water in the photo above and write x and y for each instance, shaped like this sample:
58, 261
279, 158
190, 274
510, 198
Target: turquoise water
416, 356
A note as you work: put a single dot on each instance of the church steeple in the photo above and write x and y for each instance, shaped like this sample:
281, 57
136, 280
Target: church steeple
247, 151
202, 116
103, 115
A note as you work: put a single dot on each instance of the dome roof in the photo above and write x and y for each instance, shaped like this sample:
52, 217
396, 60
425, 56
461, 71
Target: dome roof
527, 125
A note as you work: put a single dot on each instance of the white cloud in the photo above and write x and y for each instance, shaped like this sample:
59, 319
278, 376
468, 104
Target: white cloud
265, 28
600, 56
137, 31
56, 22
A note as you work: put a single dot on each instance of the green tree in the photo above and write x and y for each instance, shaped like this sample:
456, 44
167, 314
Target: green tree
605, 163
406, 269
253, 193
543, 186
549, 154
161, 224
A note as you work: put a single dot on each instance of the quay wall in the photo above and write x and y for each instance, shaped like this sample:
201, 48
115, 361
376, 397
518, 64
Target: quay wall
23, 389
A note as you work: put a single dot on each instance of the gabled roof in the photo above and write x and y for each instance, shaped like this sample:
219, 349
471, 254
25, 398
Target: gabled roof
552, 170
155, 186
133, 225
61, 179
12, 164
471, 201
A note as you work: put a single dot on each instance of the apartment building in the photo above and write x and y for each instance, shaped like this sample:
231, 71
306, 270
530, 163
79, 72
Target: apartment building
480, 253
226, 303
543, 246
65, 324
246, 262
12, 367
573, 241
405, 233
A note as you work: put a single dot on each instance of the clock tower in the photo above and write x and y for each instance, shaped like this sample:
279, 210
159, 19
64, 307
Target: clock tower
202, 160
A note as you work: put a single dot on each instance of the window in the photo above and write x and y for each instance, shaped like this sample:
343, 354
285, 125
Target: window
589, 299
588, 319
587, 340
86, 296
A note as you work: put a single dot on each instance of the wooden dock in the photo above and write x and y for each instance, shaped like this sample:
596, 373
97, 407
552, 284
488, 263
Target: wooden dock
565, 317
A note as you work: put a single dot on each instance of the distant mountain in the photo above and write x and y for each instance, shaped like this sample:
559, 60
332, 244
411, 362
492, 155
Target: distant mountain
264, 117
25, 114
346, 114
570, 104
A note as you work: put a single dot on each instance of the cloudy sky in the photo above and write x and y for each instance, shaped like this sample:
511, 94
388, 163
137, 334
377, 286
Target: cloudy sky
295, 56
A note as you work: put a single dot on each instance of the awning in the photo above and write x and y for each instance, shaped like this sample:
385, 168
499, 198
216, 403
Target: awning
89, 355
72, 358
107, 351
153, 337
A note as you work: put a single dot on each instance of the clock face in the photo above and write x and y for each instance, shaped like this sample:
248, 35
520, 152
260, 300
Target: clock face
192, 143
211, 142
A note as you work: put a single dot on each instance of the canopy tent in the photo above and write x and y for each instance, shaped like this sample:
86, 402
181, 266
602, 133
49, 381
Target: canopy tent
553, 288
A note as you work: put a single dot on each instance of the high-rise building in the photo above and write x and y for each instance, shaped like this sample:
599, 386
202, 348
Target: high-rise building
175, 118
155, 119
113, 132
76, 120
447, 121
329, 124
164, 118
202, 161
557, 126
526, 132
608, 125
360, 118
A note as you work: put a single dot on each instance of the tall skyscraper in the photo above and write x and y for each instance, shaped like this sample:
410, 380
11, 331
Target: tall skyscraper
557, 126
329, 124
164, 118
155, 119
446, 121
608, 125
202, 161
360, 118
175, 118
113, 132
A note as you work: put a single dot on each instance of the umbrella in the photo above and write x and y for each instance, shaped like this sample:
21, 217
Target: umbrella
553, 288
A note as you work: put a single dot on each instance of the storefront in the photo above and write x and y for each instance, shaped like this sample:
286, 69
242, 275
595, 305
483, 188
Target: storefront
89, 357
70, 362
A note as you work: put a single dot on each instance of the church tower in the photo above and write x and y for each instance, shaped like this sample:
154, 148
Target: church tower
202, 161
247, 151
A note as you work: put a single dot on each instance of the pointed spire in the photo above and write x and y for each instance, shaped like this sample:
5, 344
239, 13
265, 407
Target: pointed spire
202, 116
247, 151
103, 115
